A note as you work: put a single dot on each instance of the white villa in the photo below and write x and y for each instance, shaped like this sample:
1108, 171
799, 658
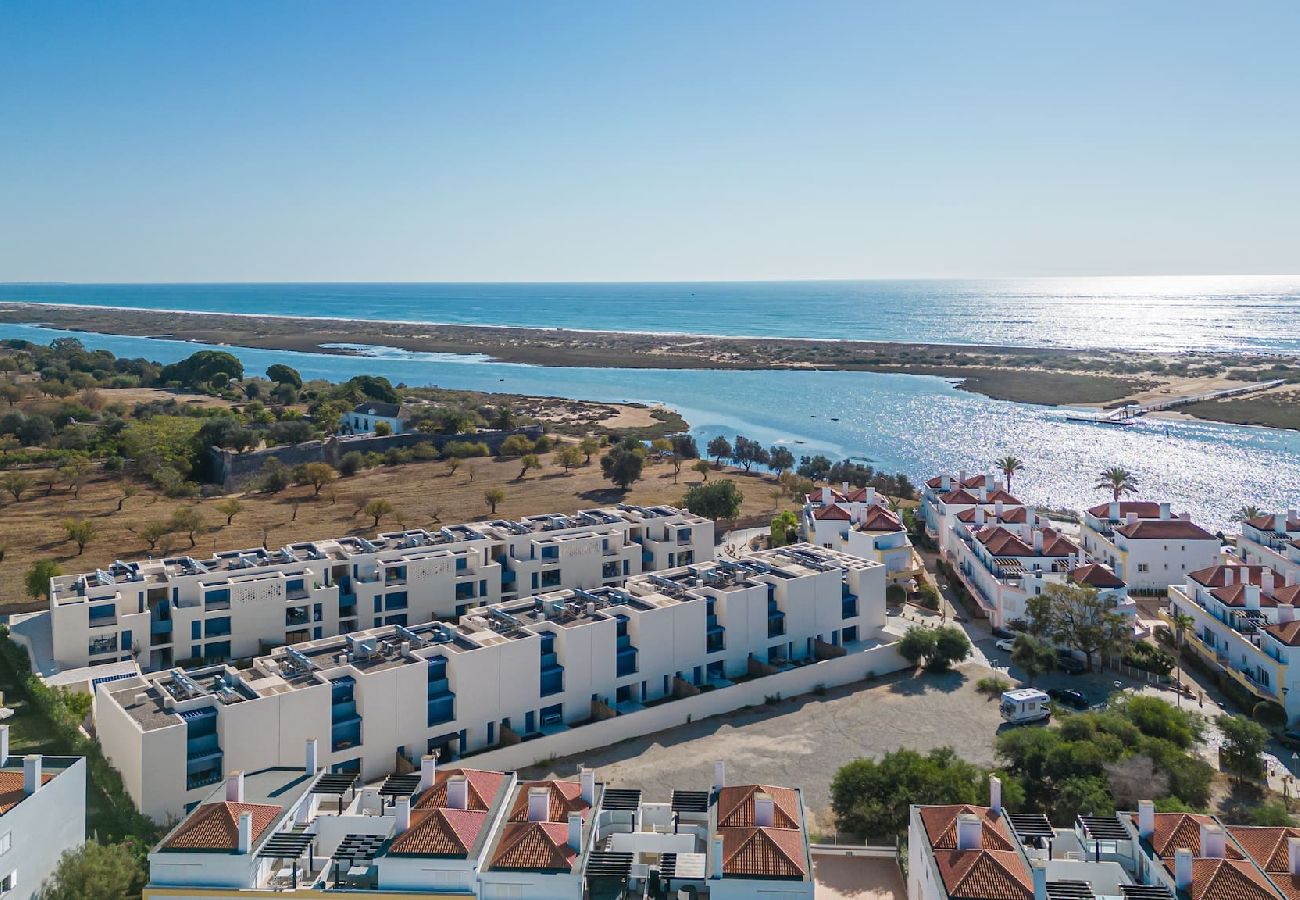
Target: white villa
42, 815
1273, 541
1145, 544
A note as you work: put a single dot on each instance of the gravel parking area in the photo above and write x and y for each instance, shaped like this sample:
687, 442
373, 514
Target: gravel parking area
801, 742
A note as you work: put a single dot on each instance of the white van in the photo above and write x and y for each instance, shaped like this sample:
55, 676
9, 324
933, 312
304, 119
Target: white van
1025, 705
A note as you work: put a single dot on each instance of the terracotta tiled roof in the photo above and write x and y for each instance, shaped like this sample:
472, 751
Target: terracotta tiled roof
1097, 575
1001, 496
1266, 846
941, 826
832, 512
766, 852
1235, 595
961, 498
1165, 529
1229, 879
1057, 544
877, 518
11, 789
857, 495
566, 797
984, 874
1269, 523
1287, 883
483, 788
534, 845
1217, 576
1289, 593
1286, 632
736, 806
1002, 542
973, 481
440, 832
215, 826
1181, 831
1011, 515
1145, 509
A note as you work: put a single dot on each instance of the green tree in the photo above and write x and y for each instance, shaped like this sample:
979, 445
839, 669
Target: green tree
383, 429
453, 463
719, 448
1033, 656
588, 446
1246, 513
155, 531
917, 644
351, 463
701, 466
274, 476
96, 871
198, 369
318, 474
493, 496
75, 472
279, 373
516, 445
38, 578
623, 464
80, 531
129, 490
504, 419
716, 500
1271, 813
951, 645
1079, 618
530, 461
1242, 752
784, 527
780, 459
230, 507
16, 484
186, 520
1118, 480
377, 509
747, 452
1009, 466
569, 456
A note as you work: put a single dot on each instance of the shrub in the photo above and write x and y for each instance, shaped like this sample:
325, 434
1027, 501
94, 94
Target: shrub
351, 463
928, 596
992, 686
895, 595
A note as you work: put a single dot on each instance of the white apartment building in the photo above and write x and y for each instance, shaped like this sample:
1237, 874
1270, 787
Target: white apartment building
236, 604
860, 523
456, 832
506, 672
42, 815
944, 498
1274, 541
1145, 544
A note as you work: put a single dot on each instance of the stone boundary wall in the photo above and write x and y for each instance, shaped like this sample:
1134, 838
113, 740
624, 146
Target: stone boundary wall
231, 470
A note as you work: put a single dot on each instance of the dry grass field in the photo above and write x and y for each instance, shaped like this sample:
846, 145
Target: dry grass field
422, 494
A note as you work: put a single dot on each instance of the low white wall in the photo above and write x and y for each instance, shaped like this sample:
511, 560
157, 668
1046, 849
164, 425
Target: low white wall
828, 673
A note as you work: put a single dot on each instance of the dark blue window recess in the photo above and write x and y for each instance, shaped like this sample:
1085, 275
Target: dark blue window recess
552, 671
202, 750
715, 640
626, 652
442, 702
775, 619
346, 723
848, 604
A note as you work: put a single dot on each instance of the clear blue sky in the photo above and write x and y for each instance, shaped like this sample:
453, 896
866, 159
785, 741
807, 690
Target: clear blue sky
246, 141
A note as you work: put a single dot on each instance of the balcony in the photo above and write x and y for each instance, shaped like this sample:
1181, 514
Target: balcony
296, 616
160, 626
626, 660
849, 606
715, 640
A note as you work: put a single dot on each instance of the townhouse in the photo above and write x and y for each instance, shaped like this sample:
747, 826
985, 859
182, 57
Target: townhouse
987, 853
1145, 544
1241, 618
42, 815
378, 699
180, 610
1274, 541
944, 498
862, 524
443, 831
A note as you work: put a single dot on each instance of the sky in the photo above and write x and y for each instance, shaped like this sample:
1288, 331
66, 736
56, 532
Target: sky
627, 141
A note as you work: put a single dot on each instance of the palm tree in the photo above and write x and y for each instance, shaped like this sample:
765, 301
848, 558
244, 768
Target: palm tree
1182, 622
1246, 513
1118, 480
1009, 466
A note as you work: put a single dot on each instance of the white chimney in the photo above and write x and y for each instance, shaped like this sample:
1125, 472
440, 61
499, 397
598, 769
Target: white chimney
945, 483
970, 832
403, 812
1183, 869
245, 832
1279, 523
826, 496
1164, 511
1285, 613
1213, 841
4, 744
1293, 855
984, 492
235, 787
575, 831
1039, 870
1146, 818
539, 804
310, 764
458, 792
587, 778
979, 516
31, 773
995, 794
764, 810
1113, 512
1227, 575
1131, 518
719, 775
1252, 596
961, 478
717, 856
997, 509
1266, 581
1038, 541
844, 489
428, 770
871, 496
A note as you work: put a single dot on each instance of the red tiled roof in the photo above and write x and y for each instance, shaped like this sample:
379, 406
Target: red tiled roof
877, 518
1266, 846
1011, 515
941, 827
984, 875
215, 826
766, 852
1057, 544
440, 832
1166, 529
1235, 595
1002, 542
1097, 575
1229, 879
736, 806
1181, 831
974, 481
857, 495
1217, 575
534, 845
483, 788
566, 797
1145, 509
1287, 593
961, 497
1286, 632
11, 789
1269, 523
1001, 496
832, 512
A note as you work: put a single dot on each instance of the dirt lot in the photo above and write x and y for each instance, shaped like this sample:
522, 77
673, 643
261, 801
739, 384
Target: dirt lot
804, 740
423, 494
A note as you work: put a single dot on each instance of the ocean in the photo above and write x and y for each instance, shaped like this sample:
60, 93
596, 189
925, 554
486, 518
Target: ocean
1230, 314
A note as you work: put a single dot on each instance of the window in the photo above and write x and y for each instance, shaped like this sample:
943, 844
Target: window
1142, 567
8, 883
503, 892
6, 842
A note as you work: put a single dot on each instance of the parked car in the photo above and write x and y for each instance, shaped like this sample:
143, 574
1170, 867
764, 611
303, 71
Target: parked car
1072, 698
1068, 664
1007, 644
1000, 632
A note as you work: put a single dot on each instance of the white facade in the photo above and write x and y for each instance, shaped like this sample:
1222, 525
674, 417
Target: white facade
1146, 545
944, 498
1274, 541
365, 418
239, 603
42, 816
860, 523
515, 669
